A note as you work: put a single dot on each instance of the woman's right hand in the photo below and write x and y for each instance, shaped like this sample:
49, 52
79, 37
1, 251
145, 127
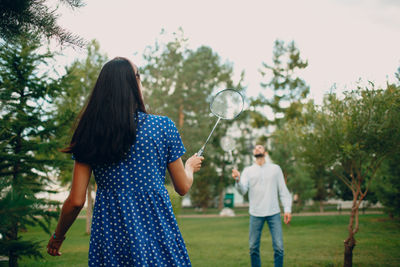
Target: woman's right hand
182, 175
193, 164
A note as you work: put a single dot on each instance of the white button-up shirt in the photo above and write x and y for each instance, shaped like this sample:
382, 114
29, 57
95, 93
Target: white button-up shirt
264, 184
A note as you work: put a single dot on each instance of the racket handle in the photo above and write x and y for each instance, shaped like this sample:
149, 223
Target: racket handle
200, 152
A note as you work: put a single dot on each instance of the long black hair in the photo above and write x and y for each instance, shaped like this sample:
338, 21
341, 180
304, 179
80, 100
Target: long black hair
106, 127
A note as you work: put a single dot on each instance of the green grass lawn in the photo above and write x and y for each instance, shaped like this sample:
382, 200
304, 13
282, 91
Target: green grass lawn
309, 241
213, 211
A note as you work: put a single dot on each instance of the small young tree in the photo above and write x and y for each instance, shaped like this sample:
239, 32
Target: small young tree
353, 136
27, 145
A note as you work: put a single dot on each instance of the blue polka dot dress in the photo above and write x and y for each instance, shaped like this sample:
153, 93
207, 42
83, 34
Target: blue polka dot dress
133, 222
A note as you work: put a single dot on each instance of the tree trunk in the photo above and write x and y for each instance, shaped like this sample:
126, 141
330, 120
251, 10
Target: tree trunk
13, 232
89, 209
349, 245
221, 200
13, 260
12, 256
350, 242
221, 194
321, 206
181, 116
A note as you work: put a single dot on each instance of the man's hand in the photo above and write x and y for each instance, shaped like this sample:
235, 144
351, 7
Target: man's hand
287, 217
236, 174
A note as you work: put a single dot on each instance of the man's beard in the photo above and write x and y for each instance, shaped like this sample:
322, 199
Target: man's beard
259, 155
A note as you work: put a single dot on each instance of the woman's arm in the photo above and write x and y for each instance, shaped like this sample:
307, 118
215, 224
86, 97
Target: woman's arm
182, 176
72, 206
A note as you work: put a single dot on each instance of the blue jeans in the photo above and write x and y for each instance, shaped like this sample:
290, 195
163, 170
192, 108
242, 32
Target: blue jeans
275, 228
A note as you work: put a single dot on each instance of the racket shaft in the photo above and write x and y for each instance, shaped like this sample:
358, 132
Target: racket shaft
200, 153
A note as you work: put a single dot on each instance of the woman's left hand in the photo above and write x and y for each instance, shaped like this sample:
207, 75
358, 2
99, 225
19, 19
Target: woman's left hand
54, 245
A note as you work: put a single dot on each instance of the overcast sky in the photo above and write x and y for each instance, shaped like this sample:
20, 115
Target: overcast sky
343, 40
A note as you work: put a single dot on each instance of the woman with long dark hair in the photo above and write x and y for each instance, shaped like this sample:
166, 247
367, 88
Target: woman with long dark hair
129, 152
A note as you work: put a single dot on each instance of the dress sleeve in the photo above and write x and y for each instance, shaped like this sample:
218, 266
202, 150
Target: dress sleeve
175, 147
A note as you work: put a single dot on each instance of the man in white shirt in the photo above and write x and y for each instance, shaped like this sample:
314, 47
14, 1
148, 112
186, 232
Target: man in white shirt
265, 182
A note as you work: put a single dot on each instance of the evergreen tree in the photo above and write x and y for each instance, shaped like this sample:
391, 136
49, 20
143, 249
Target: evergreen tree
20, 17
286, 104
289, 89
27, 141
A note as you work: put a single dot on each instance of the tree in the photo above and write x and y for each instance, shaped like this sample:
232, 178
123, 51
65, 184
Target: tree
310, 181
20, 17
79, 80
289, 89
353, 136
28, 143
286, 104
179, 82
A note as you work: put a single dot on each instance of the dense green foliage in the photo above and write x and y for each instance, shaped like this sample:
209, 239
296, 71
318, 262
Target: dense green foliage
386, 186
28, 145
